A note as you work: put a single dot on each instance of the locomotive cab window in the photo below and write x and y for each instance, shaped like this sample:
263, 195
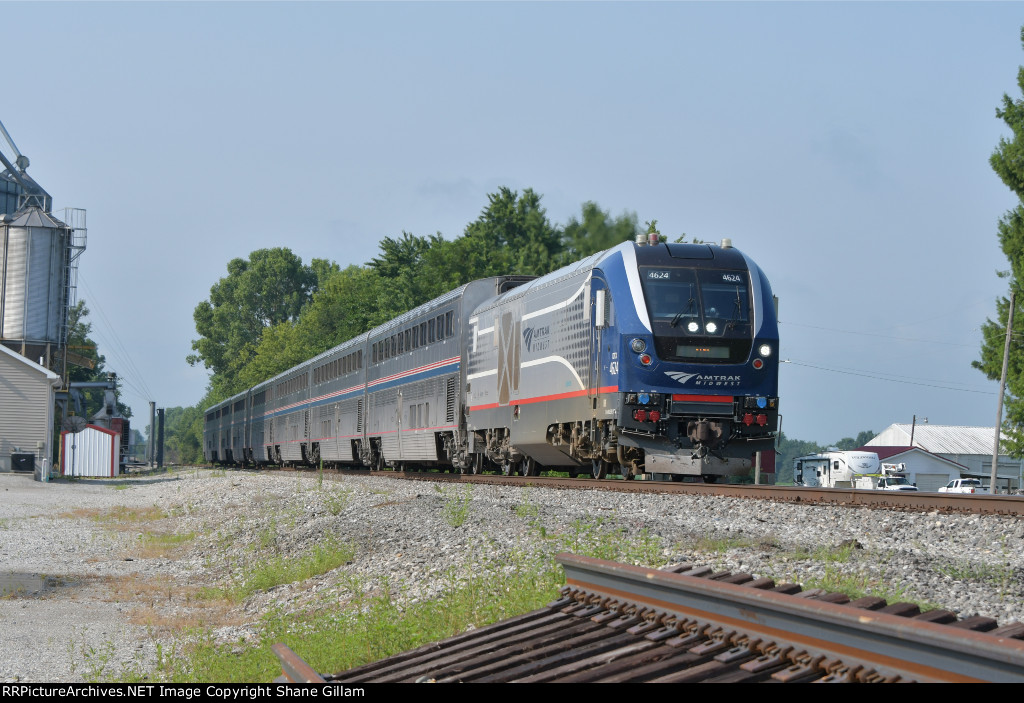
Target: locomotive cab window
699, 314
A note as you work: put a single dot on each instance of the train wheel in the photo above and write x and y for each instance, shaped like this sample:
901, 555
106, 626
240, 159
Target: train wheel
478, 463
529, 466
599, 468
509, 467
378, 463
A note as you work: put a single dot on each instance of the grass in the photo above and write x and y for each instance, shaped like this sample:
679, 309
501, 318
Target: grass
839, 554
456, 503
278, 570
153, 545
119, 515
371, 624
1000, 576
336, 501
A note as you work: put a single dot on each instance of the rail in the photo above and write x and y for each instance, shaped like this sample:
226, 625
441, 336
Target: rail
621, 623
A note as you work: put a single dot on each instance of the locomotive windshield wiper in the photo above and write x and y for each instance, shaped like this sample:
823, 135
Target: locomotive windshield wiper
688, 308
737, 311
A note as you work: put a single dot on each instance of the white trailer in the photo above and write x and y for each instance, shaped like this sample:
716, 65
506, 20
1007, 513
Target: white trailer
833, 469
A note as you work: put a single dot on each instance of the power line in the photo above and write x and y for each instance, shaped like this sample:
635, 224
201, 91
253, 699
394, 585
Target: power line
890, 379
861, 333
124, 358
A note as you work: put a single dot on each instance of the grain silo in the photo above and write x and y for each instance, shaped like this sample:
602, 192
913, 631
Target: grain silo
38, 264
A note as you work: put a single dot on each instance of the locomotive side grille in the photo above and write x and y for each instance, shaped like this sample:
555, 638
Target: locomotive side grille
359, 417
450, 393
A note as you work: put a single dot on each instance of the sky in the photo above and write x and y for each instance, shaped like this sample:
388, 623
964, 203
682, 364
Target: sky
843, 146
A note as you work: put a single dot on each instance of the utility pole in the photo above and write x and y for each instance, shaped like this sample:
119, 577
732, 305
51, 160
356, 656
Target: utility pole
160, 440
151, 449
1002, 389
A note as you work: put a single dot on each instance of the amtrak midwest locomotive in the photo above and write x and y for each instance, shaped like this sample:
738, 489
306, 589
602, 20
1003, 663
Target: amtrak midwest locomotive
646, 358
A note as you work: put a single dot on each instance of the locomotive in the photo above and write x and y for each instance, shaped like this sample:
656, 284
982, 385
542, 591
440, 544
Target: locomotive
648, 358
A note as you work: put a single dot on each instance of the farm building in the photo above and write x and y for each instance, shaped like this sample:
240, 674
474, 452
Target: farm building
966, 451
26, 413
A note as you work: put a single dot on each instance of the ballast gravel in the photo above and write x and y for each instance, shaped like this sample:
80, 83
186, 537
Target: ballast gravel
124, 560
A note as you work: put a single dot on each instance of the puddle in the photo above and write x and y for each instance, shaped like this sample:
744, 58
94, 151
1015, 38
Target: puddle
13, 585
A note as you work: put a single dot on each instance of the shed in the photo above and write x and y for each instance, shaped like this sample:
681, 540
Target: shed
94, 451
26, 411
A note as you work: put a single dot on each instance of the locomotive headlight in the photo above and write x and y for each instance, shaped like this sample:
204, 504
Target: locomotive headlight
765, 350
638, 345
711, 328
693, 327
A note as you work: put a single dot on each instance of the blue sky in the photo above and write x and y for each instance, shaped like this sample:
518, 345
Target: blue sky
843, 145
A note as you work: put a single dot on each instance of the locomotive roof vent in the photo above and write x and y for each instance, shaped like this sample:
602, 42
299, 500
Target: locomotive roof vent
641, 240
726, 243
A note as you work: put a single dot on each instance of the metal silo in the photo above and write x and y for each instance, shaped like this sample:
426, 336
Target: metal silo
34, 261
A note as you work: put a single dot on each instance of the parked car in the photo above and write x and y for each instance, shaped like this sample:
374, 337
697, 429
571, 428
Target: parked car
962, 485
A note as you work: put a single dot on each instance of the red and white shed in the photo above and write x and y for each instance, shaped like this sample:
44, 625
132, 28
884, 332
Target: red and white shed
92, 452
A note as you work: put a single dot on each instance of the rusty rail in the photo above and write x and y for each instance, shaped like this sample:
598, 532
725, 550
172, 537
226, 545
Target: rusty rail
620, 623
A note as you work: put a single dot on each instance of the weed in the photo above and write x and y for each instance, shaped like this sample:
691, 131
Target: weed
997, 575
830, 555
719, 545
456, 503
527, 510
121, 487
337, 501
276, 571
159, 545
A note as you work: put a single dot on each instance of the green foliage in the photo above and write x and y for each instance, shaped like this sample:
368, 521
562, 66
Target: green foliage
267, 289
848, 443
787, 450
181, 443
595, 232
326, 556
83, 345
456, 503
1008, 162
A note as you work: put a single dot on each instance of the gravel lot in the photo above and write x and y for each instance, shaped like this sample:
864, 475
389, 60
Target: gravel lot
125, 558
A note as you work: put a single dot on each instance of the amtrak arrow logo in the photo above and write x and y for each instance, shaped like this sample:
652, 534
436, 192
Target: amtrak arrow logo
679, 376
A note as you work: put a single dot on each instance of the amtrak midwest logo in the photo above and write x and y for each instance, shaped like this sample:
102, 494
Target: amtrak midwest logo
537, 338
704, 379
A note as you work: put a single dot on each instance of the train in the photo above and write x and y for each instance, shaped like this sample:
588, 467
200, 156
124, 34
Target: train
650, 358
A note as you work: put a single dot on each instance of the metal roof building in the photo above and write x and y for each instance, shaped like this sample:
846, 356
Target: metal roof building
970, 447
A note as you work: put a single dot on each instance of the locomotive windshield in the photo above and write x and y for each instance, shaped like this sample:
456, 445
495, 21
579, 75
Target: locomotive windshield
698, 314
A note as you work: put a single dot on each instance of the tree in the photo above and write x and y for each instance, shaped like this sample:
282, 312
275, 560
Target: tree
267, 289
596, 231
848, 443
512, 235
81, 344
1008, 162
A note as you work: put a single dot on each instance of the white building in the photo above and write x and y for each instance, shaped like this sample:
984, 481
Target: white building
966, 451
26, 410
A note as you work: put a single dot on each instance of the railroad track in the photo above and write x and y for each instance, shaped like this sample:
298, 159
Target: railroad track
616, 623
982, 504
